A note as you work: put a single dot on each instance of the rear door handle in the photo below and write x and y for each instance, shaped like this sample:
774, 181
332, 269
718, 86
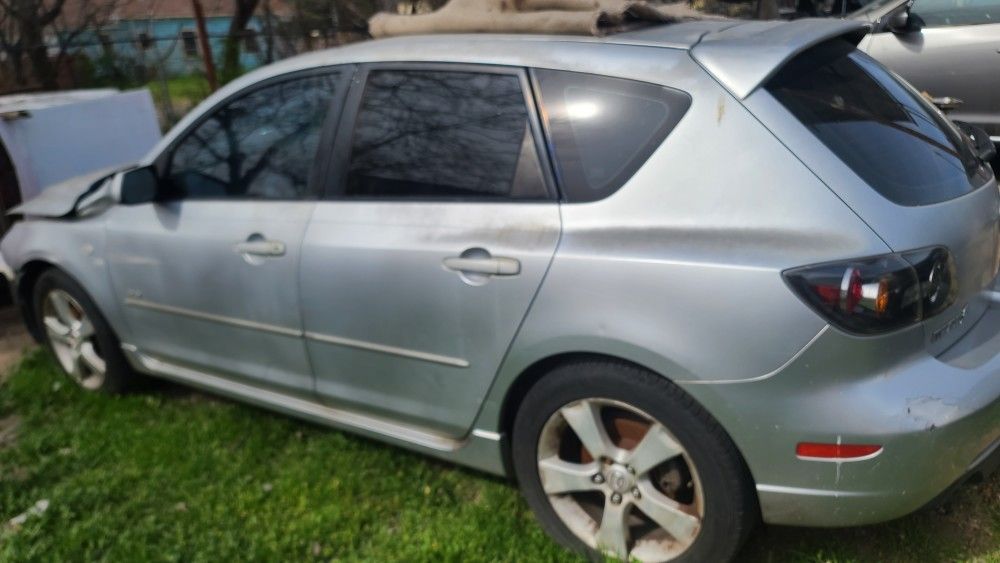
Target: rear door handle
493, 266
260, 248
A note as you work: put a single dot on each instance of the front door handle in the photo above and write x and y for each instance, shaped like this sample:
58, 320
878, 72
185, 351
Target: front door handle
260, 247
492, 266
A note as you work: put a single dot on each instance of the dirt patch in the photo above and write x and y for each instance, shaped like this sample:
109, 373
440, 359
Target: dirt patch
8, 430
14, 340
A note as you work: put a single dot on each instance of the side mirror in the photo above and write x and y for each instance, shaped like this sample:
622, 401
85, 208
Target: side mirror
901, 21
981, 141
138, 186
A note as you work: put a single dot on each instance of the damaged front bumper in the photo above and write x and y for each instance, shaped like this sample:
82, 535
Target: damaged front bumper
6, 282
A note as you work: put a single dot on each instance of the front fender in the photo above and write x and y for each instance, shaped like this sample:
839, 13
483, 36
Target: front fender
76, 247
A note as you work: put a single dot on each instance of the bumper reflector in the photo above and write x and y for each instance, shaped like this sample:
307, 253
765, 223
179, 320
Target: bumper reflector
834, 452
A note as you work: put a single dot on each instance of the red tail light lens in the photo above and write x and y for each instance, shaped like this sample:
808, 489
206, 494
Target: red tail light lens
881, 293
836, 451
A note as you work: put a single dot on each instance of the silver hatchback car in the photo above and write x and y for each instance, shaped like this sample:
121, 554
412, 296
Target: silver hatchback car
672, 280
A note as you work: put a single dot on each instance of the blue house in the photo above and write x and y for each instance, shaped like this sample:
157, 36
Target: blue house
164, 33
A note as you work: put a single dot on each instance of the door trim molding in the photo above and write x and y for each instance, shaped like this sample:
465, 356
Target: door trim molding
385, 349
294, 333
221, 319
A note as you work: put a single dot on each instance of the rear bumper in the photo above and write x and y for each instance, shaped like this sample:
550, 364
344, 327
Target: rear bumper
937, 419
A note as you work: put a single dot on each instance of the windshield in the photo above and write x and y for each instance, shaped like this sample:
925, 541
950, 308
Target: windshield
888, 134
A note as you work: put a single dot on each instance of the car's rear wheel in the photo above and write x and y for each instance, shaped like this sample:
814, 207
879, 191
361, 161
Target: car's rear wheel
617, 461
80, 339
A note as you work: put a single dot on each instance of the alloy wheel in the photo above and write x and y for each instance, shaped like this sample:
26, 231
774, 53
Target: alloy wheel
73, 339
620, 481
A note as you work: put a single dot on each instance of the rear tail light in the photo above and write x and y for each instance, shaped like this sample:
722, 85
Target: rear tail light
881, 293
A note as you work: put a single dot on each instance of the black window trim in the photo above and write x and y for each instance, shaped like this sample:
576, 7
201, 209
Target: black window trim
327, 132
338, 163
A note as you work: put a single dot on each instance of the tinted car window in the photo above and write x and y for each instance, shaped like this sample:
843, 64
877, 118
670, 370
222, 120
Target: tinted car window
603, 129
944, 13
885, 131
443, 134
258, 146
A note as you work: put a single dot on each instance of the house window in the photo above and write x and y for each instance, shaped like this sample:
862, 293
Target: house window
144, 40
190, 41
250, 44
105, 40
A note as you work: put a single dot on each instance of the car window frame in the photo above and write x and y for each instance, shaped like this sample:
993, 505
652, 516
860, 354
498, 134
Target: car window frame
338, 164
323, 148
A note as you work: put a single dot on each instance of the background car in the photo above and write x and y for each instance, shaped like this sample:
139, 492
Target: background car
947, 48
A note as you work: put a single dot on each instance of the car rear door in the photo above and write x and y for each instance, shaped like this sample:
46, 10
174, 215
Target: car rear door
956, 53
208, 276
439, 225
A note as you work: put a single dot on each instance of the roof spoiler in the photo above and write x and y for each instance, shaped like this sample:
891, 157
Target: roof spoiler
745, 56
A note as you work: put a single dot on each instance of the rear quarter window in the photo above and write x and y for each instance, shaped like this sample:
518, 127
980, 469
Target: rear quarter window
889, 135
603, 129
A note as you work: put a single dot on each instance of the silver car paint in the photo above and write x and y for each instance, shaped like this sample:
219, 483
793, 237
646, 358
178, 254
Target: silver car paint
724, 53
679, 271
184, 256
363, 264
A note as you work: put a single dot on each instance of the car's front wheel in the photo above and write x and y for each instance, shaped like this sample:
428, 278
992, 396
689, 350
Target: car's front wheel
617, 461
78, 336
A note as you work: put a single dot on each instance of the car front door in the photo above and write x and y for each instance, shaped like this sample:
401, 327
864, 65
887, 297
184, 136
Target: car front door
208, 275
438, 229
956, 53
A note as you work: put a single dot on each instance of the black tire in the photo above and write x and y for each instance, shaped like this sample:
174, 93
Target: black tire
119, 376
731, 510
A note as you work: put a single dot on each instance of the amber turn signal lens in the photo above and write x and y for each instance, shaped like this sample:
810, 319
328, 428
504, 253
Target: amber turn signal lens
882, 298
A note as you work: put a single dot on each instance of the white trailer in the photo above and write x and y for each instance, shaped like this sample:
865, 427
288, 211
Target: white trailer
49, 137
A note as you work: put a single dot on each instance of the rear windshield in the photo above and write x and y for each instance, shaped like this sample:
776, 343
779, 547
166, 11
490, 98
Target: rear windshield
885, 131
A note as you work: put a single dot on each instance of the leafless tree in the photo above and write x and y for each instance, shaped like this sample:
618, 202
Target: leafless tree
81, 19
12, 48
243, 11
30, 19
29, 28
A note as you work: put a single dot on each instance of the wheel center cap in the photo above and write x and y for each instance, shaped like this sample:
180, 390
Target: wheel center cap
620, 480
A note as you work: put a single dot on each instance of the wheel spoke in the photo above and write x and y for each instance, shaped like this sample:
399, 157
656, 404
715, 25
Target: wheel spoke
668, 513
656, 447
91, 359
56, 329
76, 367
62, 308
584, 418
559, 476
86, 328
613, 534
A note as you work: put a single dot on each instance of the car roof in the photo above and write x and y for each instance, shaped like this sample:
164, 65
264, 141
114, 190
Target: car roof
740, 54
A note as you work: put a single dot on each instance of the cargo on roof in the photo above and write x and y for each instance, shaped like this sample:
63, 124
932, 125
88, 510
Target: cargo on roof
741, 55
581, 17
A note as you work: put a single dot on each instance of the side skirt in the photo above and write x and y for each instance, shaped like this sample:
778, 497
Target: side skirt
288, 404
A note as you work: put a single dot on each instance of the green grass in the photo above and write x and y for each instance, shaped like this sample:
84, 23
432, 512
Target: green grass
169, 474
192, 88
185, 92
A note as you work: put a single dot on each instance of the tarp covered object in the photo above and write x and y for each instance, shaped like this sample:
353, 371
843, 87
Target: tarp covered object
578, 17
